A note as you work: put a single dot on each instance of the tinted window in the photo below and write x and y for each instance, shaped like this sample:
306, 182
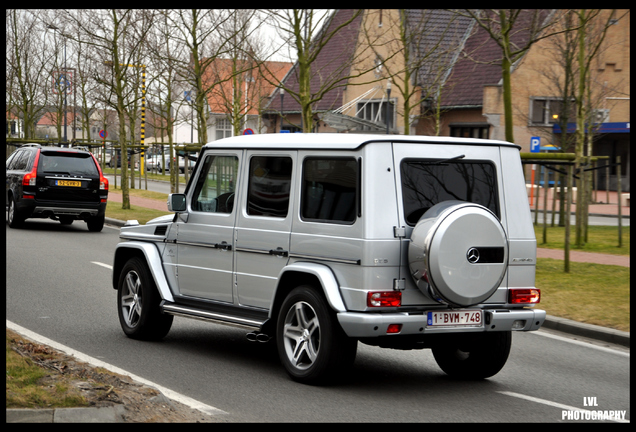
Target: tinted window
214, 190
67, 163
427, 182
329, 190
269, 185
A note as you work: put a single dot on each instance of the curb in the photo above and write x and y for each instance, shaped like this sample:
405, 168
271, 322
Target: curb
591, 331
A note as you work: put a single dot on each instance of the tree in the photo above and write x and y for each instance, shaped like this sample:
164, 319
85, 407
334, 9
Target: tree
116, 36
514, 31
308, 31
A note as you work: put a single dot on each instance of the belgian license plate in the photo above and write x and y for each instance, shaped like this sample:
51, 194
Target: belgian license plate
456, 318
68, 183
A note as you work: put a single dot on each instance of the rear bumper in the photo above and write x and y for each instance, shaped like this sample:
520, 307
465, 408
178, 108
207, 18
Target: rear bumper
40, 209
360, 324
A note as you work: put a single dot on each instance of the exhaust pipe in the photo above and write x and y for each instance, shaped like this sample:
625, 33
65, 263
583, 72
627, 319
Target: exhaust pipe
257, 337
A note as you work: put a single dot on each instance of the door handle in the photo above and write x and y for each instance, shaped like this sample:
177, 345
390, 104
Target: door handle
223, 246
279, 252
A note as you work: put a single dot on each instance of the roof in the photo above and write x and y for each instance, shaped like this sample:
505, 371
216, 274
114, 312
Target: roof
218, 73
479, 64
331, 65
335, 141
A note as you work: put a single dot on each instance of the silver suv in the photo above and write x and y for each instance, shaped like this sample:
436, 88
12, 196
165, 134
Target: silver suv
321, 241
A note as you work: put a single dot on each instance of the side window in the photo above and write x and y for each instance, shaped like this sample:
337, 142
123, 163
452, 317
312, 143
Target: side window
269, 186
214, 190
330, 190
10, 164
20, 161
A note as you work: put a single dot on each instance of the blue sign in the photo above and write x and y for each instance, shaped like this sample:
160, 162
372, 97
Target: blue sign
248, 131
535, 144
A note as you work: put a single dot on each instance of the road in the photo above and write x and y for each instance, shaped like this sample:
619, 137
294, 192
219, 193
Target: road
58, 284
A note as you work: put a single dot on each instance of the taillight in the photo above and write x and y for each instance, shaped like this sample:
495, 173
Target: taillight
524, 296
103, 181
384, 298
30, 178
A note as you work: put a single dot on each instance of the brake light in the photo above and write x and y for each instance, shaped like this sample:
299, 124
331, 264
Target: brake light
103, 181
30, 178
384, 299
394, 328
524, 296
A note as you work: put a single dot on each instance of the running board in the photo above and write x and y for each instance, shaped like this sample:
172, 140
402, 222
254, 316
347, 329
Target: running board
216, 317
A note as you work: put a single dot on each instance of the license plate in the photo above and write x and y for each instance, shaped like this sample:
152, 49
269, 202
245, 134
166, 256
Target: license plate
456, 318
68, 183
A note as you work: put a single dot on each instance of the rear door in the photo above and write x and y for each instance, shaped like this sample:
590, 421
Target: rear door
264, 225
67, 176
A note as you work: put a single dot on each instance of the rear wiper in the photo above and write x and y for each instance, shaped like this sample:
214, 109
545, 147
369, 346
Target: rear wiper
438, 161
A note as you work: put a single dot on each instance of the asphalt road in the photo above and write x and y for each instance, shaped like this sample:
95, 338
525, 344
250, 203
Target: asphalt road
58, 284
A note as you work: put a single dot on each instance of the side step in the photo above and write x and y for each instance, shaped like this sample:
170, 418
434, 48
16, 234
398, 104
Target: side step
244, 322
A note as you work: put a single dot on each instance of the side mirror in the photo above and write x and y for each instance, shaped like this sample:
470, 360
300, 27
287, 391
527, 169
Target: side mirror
177, 202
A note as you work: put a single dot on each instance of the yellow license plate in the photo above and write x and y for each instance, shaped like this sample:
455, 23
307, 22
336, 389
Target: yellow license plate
68, 183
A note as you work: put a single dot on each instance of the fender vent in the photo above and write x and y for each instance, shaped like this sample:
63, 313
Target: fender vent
161, 230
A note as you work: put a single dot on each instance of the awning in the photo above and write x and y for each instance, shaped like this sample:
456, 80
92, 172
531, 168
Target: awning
614, 127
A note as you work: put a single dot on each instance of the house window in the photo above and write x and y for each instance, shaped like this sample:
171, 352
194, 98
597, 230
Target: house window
223, 128
546, 111
470, 130
375, 111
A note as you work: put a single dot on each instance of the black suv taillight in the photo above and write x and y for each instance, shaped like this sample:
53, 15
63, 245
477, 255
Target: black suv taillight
30, 177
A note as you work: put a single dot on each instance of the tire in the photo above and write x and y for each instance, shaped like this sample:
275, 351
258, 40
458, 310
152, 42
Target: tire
14, 216
474, 356
138, 303
96, 223
311, 344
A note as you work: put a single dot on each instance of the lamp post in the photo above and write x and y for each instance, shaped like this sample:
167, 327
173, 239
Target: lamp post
56, 29
388, 98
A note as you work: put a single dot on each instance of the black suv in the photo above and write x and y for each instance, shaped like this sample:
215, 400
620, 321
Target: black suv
63, 184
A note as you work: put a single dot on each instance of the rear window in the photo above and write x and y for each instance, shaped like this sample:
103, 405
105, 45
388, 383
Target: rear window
70, 163
429, 182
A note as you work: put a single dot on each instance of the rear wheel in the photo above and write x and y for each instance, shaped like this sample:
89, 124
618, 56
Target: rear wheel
95, 223
138, 303
474, 356
311, 344
14, 216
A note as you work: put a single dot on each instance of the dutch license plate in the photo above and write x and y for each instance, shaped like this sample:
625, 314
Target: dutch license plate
462, 318
68, 183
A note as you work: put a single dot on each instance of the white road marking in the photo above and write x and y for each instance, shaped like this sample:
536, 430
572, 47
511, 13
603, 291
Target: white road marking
581, 343
108, 266
192, 403
552, 404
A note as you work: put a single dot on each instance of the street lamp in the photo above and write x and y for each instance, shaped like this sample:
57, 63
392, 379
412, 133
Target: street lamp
388, 97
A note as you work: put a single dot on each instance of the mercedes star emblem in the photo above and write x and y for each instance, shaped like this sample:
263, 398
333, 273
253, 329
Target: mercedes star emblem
472, 255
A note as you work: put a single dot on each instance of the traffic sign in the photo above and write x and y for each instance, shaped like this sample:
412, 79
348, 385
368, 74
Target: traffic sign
248, 131
103, 134
535, 144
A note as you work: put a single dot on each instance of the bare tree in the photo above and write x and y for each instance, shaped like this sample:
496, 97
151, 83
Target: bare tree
514, 31
28, 65
309, 31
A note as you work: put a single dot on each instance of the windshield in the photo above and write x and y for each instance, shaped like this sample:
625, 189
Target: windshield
426, 182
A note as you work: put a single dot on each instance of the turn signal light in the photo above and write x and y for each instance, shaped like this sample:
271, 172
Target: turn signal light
384, 298
524, 296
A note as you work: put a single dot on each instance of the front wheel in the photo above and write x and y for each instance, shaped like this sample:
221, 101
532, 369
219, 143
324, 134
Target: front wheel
311, 344
474, 356
138, 303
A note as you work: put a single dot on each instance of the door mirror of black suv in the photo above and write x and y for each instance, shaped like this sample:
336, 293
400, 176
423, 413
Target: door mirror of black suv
177, 202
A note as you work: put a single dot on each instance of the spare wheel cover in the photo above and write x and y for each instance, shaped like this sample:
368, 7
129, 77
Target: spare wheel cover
464, 251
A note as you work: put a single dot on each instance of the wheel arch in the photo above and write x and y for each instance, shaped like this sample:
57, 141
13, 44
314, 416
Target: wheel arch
317, 275
149, 253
